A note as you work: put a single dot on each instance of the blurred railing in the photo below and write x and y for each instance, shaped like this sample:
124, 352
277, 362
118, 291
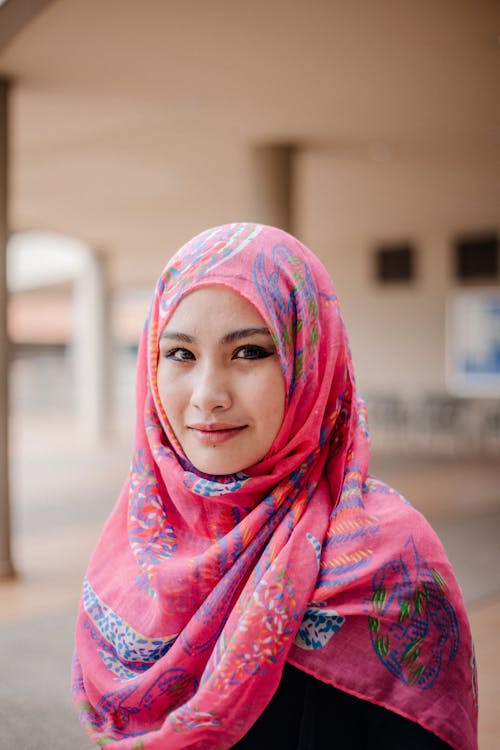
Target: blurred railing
435, 423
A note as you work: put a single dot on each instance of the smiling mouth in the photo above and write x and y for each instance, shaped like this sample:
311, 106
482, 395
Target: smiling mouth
215, 434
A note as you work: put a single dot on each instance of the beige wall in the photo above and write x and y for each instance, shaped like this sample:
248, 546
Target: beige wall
346, 203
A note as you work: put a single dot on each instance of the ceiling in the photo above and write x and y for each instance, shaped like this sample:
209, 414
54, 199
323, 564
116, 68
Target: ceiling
132, 123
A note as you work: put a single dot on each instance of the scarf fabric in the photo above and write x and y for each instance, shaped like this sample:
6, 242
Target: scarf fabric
202, 587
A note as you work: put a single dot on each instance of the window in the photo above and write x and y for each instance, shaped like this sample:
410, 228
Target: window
394, 263
477, 257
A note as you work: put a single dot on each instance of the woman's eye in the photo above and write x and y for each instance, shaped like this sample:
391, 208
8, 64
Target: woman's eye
179, 355
251, 351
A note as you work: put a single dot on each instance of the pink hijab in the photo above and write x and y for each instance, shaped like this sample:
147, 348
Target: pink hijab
202, 587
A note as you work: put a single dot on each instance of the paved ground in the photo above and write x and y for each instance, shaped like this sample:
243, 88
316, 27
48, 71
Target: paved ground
60, 505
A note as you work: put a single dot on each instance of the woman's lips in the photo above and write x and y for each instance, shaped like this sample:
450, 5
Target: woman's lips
215, 434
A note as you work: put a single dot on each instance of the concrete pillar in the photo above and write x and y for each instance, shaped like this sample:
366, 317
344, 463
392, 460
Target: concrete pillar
91, 347
6, 567
271, 184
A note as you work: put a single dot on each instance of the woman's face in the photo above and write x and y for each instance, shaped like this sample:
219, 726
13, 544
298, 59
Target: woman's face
220, 382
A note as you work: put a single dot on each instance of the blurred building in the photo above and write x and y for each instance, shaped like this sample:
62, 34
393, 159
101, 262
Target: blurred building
370, 130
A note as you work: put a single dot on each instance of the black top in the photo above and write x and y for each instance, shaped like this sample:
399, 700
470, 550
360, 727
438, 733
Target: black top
306, 714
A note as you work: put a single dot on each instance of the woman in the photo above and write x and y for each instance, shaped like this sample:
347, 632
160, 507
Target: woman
254, 586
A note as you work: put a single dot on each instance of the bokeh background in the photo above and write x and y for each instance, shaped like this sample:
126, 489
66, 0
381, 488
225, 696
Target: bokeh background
371, 130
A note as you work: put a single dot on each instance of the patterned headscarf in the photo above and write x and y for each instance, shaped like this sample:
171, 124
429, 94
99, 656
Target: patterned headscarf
202, 587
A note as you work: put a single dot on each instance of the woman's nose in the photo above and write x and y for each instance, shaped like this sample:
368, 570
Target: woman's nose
210, 389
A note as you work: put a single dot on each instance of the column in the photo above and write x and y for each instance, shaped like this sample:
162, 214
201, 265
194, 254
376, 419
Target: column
271, 184
91, 347
6, 567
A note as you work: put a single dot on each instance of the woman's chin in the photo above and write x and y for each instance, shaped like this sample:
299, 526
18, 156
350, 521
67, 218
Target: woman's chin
217, 467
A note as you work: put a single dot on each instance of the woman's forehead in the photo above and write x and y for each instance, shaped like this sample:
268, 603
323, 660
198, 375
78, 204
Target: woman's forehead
208, 303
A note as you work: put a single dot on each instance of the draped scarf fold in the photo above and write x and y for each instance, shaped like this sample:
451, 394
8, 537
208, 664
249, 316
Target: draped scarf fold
202, 587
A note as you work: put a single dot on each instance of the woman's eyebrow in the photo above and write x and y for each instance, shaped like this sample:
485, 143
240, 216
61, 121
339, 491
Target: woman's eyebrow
243, 333
186, 338
229, 338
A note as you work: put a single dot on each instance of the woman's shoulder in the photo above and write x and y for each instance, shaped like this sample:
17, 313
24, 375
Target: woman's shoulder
391, 510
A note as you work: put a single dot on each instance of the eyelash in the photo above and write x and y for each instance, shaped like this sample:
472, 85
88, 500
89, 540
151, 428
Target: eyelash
257, 352
253, 352
171, 354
